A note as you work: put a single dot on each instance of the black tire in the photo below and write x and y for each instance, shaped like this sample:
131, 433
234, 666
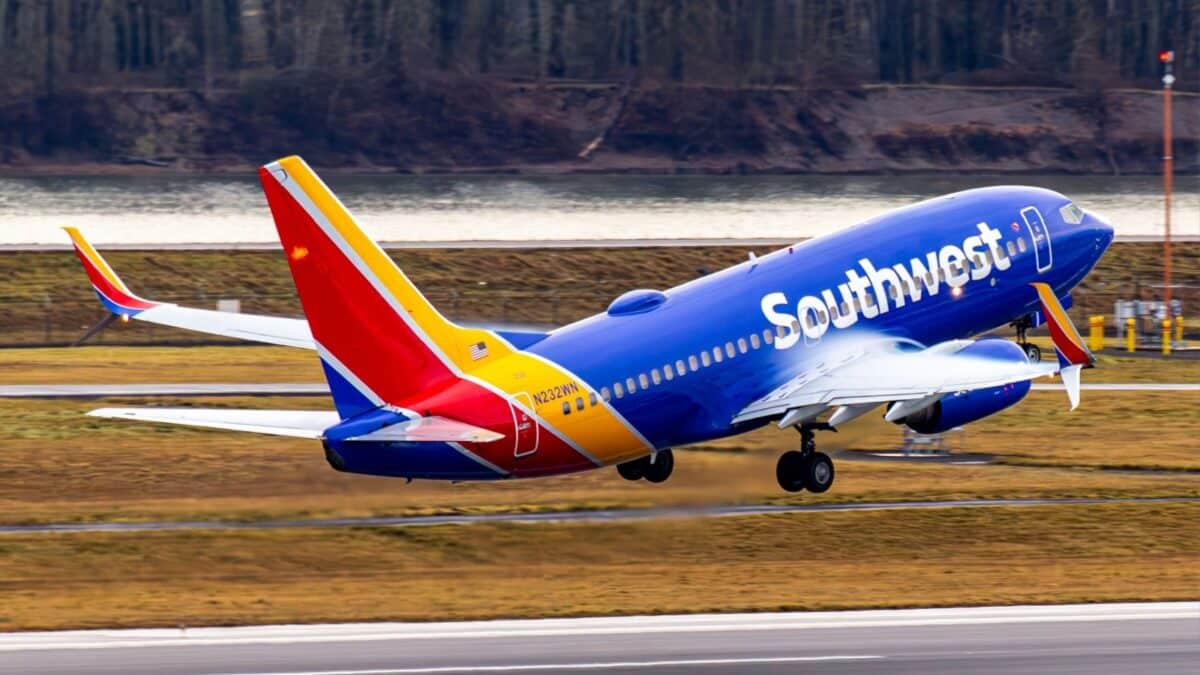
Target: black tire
1033, 352
634, 469
818, 475
790, 471
660, 469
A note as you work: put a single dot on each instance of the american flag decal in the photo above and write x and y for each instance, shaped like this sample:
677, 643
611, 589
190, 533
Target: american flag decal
478, 351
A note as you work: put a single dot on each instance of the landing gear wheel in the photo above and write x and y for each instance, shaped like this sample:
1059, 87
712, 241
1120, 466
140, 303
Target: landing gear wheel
818, 473
633, 470
790, 470
660, 469
1032, 351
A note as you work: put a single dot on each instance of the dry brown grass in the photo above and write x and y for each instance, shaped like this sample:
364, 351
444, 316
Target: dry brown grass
547, 286
781, 562
60, 465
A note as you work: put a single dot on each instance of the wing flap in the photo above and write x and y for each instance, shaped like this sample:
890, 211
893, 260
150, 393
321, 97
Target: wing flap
888, 375
294, 423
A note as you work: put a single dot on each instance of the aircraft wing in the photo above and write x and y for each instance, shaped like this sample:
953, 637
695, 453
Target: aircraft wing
119, 300
869, 375
865, 372
305, 424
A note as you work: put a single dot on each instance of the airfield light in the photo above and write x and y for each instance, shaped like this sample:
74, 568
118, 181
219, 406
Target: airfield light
1166, 56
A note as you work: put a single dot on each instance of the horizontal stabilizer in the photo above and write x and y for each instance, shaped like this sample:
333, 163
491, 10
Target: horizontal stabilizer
431, 429
295, 423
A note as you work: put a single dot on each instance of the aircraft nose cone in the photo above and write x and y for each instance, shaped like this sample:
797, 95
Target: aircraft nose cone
1100, 228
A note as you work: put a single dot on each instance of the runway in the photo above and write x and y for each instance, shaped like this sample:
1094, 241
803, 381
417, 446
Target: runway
1148, 639
595, 516
320, 388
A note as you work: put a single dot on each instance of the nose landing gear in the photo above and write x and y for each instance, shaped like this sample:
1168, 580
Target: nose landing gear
1032, 351
805, 469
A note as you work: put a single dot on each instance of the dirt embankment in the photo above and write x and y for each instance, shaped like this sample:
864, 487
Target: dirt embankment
479, 126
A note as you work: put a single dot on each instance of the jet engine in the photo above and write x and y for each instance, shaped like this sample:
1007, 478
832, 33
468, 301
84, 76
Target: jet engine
953, 410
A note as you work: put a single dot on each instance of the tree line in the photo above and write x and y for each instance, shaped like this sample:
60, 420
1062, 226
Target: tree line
46, 45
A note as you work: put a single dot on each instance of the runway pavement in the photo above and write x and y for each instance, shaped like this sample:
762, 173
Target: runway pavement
603, 515
319, 388
1147, 639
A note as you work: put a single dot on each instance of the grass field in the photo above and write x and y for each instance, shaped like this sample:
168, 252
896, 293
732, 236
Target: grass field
59, 465
62, 466
46, 295
781, 562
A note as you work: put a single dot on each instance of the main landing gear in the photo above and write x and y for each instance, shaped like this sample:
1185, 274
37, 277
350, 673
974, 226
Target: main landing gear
655, 468
805, 469
1032, 351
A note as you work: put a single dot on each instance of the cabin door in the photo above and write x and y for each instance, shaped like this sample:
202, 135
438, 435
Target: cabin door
1040, 234
525, 426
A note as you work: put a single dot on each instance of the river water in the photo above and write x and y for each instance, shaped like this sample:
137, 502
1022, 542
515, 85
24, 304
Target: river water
231, 209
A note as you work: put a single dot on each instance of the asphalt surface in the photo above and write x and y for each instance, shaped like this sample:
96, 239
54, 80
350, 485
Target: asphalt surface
607, 515
1147, 639
319, 388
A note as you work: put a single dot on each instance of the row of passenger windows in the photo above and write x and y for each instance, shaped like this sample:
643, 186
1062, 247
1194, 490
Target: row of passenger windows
718, 354
691, 364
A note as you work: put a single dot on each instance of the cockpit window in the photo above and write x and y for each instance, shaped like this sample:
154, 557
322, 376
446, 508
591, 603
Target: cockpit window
1071, 214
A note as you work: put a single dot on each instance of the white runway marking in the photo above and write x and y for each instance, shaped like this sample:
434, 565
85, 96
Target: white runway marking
604, 665
598, 626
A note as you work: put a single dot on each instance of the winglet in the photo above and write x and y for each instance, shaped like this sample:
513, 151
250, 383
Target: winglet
1070, 378
1067, 342
113, 292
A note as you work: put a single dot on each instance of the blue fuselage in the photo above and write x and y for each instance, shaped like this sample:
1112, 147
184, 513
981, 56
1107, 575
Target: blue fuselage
942, 269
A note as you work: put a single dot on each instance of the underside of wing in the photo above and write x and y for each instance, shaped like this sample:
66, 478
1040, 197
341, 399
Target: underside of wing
862, 376
274, 330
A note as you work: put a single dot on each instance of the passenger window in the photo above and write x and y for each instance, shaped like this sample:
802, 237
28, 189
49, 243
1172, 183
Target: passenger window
754, 343
1021, 244
655, 377
579, 403
693, 363
668, 372
680, 369
781, 331
729, 350
768, 336
630, 385
821, 316
618, 390
868, 300
592, 399
717, 355
643, 381
742, 346
845, 309
705, 360
604, 394
566, 407
894, 292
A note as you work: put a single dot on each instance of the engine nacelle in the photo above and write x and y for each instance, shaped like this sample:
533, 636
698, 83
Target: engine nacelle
954, 410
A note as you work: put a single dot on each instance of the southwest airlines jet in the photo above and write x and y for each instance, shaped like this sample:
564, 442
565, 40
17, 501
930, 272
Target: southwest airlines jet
811, 336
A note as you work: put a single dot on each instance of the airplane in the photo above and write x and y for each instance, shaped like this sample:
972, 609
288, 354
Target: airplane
810, 336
